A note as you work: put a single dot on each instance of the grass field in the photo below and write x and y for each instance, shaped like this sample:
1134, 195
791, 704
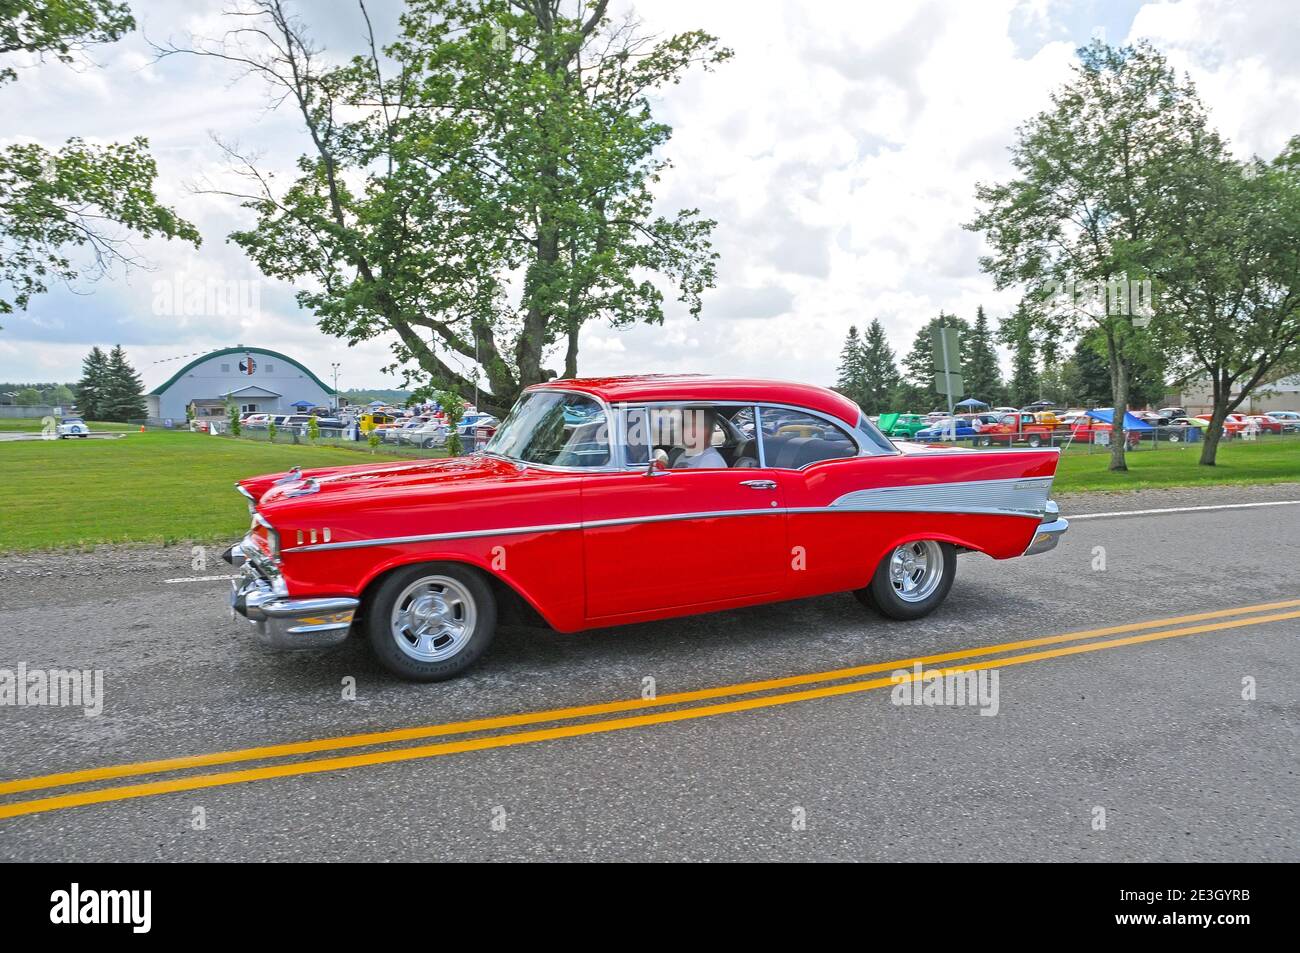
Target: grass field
1239, 462
144, 487
166, 487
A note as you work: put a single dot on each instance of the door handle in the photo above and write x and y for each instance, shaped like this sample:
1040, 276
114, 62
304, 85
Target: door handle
759, 484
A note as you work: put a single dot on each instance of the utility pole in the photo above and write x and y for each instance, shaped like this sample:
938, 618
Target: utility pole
335, 365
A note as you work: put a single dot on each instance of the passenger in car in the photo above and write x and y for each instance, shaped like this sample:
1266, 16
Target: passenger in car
697, 438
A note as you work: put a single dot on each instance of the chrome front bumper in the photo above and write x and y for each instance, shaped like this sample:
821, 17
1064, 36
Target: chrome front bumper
1050, 531
260, 602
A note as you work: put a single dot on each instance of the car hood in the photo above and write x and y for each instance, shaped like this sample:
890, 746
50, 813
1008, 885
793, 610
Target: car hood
368, 480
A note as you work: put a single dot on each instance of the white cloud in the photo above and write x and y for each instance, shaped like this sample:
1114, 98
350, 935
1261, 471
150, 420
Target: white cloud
838, 150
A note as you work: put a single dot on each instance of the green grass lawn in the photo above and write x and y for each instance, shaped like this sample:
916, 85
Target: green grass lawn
33, 425
167, 487
144, 487
1265, 461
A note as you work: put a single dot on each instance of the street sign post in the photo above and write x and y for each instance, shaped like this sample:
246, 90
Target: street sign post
947, 363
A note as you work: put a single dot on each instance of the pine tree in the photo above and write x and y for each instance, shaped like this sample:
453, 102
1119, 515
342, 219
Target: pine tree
124, 391
91, 388
849, 378
1016, 333
980, 362
879, 372
919, 363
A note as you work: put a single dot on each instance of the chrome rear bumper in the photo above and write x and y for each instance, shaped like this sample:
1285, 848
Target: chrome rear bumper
1050, 531
259, 600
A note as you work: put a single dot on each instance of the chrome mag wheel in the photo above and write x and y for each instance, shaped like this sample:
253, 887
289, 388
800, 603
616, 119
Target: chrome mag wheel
433, 618
915, 570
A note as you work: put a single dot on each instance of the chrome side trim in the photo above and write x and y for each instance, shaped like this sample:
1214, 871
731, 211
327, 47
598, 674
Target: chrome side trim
436, 537
1011, 497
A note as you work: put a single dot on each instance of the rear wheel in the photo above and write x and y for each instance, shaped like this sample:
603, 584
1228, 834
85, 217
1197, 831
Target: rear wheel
1035, 440
911, 581
431, 622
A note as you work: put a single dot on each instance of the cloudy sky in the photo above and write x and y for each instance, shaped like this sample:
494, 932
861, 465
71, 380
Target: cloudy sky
838, 150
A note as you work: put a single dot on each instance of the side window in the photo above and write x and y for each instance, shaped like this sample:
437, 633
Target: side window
691, 436
793, 439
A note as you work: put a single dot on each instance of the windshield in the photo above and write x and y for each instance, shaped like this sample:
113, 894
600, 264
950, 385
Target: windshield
555, 428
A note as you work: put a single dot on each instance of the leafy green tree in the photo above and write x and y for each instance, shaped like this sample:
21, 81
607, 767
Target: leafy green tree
123, 396
1088, 203
453, 407
480, 189
879, 371
982, 376
1230, 274
232, 413
52, 202
61, 28
28, 397
1016, 332
93, 386
850, 380
272, 429
313, 430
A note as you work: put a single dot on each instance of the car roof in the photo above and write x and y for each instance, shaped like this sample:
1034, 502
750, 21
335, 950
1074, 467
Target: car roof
689, 387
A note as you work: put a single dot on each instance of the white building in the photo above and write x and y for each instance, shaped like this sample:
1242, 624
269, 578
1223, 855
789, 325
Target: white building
1197, 396
253, 379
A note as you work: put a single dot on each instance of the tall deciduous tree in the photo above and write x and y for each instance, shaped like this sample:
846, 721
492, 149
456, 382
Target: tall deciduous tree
1230, 274
52, 202
1088, 202
481, 189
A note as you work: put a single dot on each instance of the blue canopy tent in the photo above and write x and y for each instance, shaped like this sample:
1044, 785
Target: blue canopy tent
303, 404
1106, 416
971, 402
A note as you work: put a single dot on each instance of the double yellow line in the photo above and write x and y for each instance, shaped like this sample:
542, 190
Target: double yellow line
1073, 643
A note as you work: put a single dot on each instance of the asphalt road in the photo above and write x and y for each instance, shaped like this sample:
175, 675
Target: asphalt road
1155, 733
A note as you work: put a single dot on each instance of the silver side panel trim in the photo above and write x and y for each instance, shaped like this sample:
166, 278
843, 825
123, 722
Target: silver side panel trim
1016, 497
997, 497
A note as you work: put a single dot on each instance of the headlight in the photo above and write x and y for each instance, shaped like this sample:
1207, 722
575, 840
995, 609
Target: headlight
263, 530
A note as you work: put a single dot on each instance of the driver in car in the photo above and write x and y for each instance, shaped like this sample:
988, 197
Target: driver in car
697, 438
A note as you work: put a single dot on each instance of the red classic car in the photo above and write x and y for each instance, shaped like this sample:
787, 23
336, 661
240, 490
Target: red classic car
606, 501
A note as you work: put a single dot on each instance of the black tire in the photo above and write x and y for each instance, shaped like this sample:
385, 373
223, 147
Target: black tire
986, 441
881, 596
1035, 441
384, 642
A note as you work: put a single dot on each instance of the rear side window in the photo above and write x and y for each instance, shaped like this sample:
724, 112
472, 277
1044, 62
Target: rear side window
793, 439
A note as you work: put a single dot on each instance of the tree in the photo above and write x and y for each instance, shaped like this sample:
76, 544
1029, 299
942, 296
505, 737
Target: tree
1230, 275
481, 189
879, 372
453, 407
1016, 332
850, 380
51, 202
919, 366
59, 27
983, 378
93, 386
232, 414
28, 397
1088, 205
123, 395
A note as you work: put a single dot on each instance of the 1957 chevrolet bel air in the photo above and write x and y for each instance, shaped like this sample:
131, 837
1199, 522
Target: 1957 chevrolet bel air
605, 501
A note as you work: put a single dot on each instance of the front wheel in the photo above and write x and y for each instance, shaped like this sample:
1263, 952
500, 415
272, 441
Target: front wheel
431, 622
911, 581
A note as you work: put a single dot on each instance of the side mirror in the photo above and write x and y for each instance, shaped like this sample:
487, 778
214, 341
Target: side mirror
658, 465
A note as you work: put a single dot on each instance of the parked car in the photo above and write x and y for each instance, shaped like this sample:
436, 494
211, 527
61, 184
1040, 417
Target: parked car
1265, 424
431, 434
585, 525
1233, 424
907, 425
955, 428
1290, 421
72, 427
1170, 413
